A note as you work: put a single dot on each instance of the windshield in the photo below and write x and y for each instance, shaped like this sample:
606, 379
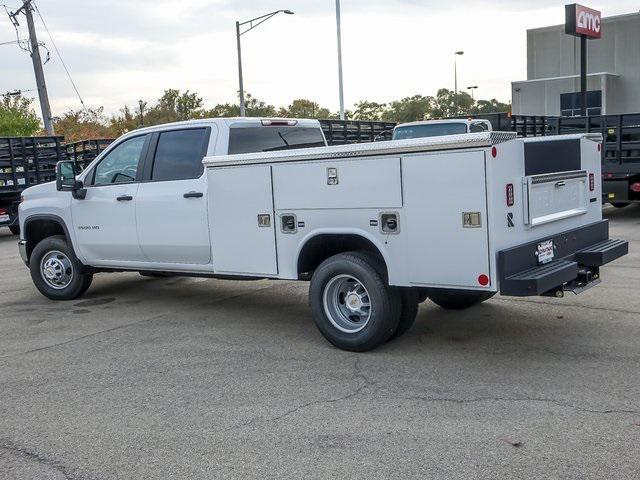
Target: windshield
429, 130
269, 139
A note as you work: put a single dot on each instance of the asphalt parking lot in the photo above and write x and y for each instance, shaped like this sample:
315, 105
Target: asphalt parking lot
189, 378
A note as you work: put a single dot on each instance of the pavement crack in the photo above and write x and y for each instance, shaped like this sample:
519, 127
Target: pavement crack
558, 403
32, 455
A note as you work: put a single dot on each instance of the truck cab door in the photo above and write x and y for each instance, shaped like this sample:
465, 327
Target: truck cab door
171, 212
105, 221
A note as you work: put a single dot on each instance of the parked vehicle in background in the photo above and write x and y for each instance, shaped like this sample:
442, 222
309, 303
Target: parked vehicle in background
364, 223
27, 161
437, 128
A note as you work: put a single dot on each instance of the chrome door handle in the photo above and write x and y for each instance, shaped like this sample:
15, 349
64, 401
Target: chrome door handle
193, 195
560, 184
124, 198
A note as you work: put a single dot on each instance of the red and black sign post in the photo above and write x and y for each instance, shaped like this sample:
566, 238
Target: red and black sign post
585, 23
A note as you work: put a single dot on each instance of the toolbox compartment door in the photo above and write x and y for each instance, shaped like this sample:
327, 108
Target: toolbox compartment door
555, 196
439, 190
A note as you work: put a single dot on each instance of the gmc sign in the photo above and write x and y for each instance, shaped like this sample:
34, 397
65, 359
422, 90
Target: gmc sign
583, 21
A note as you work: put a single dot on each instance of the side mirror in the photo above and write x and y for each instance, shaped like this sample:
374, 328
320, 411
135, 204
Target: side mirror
66, 176
66, 179
382, 136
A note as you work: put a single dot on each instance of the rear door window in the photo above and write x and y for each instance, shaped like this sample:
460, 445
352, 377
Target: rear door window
179, 154
270, 139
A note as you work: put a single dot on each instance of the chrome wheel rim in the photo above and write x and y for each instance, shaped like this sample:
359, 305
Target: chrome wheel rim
56, 269
347, 303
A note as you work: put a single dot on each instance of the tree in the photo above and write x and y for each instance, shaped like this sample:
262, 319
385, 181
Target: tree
174, 106
17, 117
253, 108
125, 121
490, 106
366, 110
447, 104
82, 124
304, 108
409, 109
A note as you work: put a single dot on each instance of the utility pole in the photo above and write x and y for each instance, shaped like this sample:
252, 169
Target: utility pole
240, 79
37, 65
340, 81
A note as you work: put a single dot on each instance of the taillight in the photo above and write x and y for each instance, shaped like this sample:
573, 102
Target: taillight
635, 187
510, 197
3, 211
484, 280
592, 182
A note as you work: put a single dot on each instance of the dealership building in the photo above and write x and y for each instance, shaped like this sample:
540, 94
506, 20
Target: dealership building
553, 71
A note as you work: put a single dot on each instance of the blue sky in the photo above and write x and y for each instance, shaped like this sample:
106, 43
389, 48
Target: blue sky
120, 51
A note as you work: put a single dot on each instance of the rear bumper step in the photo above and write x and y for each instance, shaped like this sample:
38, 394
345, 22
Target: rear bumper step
578, 255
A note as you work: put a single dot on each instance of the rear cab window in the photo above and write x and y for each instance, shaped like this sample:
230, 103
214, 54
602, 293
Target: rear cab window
432, 130
273, 138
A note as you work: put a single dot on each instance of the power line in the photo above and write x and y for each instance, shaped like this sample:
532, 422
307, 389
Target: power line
55, 47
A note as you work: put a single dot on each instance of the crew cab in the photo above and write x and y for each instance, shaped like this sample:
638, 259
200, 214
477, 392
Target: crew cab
376, 228
438, 128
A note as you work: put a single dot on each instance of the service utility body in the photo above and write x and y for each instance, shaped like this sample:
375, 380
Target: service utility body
377, 228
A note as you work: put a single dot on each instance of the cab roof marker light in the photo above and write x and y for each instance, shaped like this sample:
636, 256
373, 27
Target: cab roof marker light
279, 123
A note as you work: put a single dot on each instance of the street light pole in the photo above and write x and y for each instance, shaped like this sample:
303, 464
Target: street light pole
240, 80
455, 76
472, 88
340, 80
253, 23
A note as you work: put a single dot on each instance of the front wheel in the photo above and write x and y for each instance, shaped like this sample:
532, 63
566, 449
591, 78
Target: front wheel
55, 270
459, 300
352, 305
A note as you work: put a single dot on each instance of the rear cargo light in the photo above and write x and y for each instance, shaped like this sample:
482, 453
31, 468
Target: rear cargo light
483, 280
279, 123
592, 182
635, 187
494, 152
510, 197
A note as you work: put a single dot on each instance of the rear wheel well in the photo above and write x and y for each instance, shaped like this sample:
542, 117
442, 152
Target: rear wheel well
324, 246
39, 229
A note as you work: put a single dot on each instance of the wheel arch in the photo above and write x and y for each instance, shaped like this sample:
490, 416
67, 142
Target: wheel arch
39, 227
322, 244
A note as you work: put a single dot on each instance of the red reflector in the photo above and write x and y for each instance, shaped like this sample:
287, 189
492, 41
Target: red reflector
510, 198
635, 187
494, 152
599, 147
592, 182
483, 280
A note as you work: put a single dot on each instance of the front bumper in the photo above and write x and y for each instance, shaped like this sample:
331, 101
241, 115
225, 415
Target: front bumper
578, 255
22, 248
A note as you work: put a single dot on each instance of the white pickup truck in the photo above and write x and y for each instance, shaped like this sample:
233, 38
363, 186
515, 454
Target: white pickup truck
376, 228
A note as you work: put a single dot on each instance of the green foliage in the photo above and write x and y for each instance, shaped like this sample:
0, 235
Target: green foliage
174, 106
82, 124
408, 109
17, 117
447, 104
490, 106
303, 108
368, 111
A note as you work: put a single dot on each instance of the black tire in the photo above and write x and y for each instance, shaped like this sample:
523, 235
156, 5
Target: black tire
619, 204
410, 302
459, 300
385, 303
78, 280
15, 229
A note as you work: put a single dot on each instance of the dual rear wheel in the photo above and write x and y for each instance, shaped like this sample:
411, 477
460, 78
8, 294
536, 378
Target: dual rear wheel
355, 309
